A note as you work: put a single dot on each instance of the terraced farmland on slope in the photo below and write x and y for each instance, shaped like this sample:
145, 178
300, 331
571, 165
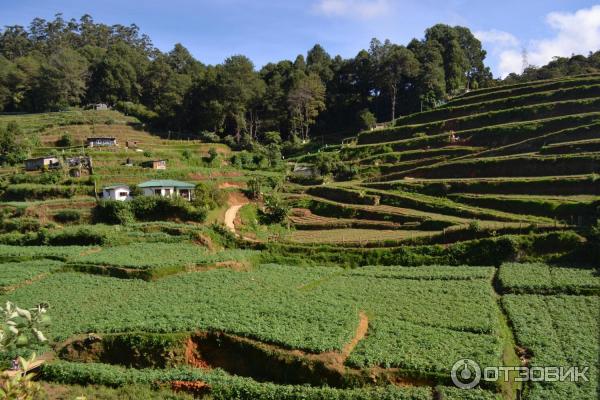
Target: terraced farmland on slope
523, 142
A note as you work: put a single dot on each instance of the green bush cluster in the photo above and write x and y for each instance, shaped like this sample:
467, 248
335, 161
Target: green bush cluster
486, 251
34, 191
67, 216
146, 208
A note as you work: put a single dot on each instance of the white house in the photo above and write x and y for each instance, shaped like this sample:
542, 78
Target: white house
116, 192
167, 188
101, 141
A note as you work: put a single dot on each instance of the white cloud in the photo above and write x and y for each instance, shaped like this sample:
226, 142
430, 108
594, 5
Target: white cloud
498, 38
361, 9
575, 33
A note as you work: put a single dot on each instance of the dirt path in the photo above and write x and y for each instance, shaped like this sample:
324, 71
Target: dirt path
230, 215
361, 332
236, 201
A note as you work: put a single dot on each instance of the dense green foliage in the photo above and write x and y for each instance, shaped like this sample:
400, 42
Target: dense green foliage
224, 387
55, 64
133, 260
542, 278
15, 273
148, 208
558, 331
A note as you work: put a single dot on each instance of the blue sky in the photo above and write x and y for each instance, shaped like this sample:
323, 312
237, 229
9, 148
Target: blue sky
271, 30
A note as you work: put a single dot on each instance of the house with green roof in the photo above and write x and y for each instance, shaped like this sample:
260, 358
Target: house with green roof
167, 188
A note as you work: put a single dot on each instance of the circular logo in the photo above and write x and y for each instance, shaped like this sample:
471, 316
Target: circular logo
466, 374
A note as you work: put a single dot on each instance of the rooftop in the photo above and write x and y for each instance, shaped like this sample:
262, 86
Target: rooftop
166, 183
115, 186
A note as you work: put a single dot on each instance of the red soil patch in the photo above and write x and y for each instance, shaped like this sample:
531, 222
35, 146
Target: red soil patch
228, 185
195, 387
191, 358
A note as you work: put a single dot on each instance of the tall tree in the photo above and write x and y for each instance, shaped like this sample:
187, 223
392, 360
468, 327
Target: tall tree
240, 87
306, 100
398, 65
62, 80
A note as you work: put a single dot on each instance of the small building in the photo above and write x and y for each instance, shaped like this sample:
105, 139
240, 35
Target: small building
101, 141
305, 171
167, 188
35, 164
98, 106
116, 192
155, 164
131, 143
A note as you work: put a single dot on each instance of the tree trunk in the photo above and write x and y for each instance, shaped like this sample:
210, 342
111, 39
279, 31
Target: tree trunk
394, 92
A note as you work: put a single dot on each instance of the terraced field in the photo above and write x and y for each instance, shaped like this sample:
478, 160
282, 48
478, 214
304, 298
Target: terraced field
491, 156
466, 231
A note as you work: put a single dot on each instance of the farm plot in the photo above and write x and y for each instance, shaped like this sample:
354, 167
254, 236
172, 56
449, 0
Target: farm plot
354, 236
543, 279
314, 309
561, 331
152, 260
17, 273
18, 253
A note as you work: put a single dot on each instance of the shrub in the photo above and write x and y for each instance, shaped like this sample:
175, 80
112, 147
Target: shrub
276, 209
151, 208
66, 216
21, 225
209, 137
366, 119
209, 196
112, 212
254, 188
29, 191
66, 140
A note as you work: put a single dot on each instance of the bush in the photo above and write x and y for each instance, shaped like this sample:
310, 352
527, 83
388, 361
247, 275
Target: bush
209, 196
66, 216
276, 209
21, 225
209, 137
152, 208
112, 212
366, 119
28, 191
66, 140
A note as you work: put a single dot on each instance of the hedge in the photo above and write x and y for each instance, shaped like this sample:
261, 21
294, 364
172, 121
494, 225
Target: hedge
343, 195
455, 111
522, 166
488, 251
222, 385
520, 89
503, 117
559, 185
32, 191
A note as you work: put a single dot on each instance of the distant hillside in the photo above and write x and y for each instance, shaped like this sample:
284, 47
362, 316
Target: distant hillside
527, 153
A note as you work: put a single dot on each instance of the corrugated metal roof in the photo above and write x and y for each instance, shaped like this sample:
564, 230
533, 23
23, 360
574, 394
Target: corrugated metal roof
166, 183
115, 187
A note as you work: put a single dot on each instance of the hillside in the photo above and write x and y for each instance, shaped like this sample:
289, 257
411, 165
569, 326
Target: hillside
509, 158
466, 231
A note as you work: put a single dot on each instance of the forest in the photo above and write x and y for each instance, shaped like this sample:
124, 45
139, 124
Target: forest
57, 64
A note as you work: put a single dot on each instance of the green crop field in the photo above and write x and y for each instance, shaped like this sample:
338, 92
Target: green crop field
327, 250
